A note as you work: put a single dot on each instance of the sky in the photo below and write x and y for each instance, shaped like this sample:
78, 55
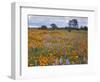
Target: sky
35, 21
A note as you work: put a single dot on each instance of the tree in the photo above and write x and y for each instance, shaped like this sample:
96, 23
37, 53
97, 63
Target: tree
73, 23
54, 26
43, 27
84, 28
70, 23
68, 28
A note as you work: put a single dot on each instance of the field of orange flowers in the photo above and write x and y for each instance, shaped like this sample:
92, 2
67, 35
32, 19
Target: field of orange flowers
57, 47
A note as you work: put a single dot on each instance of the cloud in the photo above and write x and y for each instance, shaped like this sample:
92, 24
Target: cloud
60, 21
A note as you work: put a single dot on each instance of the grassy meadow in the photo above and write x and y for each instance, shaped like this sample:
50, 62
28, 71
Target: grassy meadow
57, 47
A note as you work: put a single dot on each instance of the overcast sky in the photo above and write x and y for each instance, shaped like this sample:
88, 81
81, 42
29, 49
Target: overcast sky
61, 21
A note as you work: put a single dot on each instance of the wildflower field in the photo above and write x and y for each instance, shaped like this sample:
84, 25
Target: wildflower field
57, 47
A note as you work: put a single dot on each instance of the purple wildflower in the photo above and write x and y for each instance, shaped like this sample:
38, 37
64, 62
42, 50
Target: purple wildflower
67, 61
61, 61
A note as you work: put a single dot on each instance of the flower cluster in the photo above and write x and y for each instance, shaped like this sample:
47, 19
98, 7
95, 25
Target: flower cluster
57, 47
